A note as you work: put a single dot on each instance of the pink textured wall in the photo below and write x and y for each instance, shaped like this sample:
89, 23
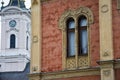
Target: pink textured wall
52, 36
116, 29
117, 74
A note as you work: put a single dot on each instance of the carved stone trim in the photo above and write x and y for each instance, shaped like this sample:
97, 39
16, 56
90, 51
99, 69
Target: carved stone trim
106, 62
62, 21
83, 62
75, 14
12, 29
117, 63
34, 2
13, 13
70, 64
104, 9
34, 76
71, 73
66, 74
106, 72
105, 54
35, 39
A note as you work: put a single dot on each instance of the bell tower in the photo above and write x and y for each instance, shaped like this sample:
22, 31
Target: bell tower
15, 36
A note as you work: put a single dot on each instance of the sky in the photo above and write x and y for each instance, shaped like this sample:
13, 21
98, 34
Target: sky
27, 3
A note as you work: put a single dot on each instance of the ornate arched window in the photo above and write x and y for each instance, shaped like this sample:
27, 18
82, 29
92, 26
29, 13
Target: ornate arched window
12, 41
75, 34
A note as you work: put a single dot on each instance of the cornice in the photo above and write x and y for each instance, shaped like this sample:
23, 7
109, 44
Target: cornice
105, 62
92, 71
66, 73
117, 63
13, 13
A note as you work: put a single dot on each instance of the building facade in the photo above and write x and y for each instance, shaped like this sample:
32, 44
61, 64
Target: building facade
15, 40
75, 40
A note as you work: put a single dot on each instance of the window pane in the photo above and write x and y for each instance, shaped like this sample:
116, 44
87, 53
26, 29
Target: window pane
27, 43
84, 42
71, 24
71, 44
83, 21
12, 41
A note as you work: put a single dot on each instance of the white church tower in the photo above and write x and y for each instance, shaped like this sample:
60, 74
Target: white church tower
15, 36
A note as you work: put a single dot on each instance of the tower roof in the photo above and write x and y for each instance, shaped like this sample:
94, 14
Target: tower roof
17, 3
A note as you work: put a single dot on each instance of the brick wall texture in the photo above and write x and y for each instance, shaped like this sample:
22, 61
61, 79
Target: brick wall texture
116, 35
52, 35
116, 29
117, 74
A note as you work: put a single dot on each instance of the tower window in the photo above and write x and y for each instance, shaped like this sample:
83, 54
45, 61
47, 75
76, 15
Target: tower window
12, 41
27, 43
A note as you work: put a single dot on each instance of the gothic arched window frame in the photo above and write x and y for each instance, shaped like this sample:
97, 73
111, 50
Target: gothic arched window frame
73, 62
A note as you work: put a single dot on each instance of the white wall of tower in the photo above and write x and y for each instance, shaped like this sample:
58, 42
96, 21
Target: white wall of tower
21, 31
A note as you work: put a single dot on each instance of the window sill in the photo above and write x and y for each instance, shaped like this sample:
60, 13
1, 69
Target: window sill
71, 56
83, 55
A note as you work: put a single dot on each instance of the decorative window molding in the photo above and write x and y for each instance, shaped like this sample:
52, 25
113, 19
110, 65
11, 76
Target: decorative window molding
75, 14
76, 61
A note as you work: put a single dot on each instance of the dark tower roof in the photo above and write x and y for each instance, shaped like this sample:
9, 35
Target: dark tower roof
17, 3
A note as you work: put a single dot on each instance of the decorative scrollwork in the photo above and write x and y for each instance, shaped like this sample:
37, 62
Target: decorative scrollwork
106, 53
35, 39
106, 72
75, 14
71, 63
104, 9
83, 62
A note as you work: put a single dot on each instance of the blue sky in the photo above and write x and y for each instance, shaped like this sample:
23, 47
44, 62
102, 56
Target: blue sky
27, 3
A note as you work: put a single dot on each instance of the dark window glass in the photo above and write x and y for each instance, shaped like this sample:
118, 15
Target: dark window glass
14, 3
12, 41
70, 37
27, 43
83, 21
83, 36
